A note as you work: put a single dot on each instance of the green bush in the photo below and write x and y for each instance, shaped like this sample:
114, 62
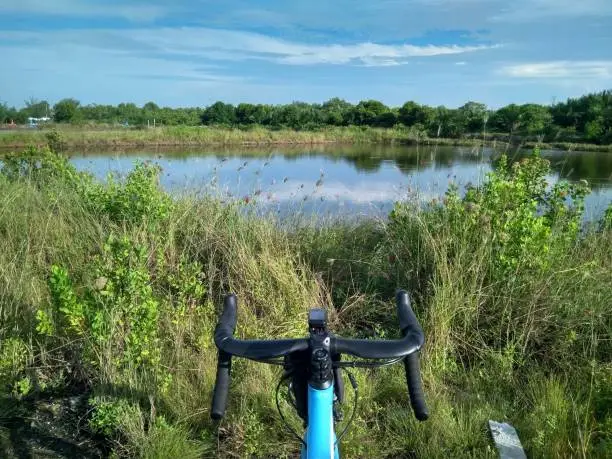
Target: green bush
137, 435
55, 140
107, 415
41, 166
14, 356
137, 199
116, 316
522, 221
606, 220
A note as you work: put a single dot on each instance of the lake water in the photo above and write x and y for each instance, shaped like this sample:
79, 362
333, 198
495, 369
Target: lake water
340, 180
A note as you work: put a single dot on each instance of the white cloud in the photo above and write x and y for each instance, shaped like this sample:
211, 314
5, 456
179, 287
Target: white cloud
237, 45
270, 48
560, 69
360, 193
140, 13
369, 54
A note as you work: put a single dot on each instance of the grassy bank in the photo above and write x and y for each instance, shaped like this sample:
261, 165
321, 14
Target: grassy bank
204, 135
92, 137
111, 291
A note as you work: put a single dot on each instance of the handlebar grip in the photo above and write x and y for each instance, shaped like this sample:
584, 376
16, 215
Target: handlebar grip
222, 383
228, 317
415, 389
227, 322
405, 314
408, 323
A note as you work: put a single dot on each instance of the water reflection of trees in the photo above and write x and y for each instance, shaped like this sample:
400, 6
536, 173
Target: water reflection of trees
413, 159
595, 168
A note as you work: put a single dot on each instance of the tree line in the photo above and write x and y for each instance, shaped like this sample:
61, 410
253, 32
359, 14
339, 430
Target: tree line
587, 118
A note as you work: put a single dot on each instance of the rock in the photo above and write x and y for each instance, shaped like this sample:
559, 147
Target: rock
100, 282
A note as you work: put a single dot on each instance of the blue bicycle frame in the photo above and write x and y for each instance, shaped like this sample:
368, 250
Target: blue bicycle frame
320, 437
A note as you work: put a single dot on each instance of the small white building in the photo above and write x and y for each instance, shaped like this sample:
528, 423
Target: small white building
36, 121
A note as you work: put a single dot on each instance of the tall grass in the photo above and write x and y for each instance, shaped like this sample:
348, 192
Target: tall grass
204, 135
114, 288
88, 137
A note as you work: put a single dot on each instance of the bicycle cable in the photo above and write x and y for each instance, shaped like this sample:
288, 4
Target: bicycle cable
355, 387
278, 362
364, 364
295, 434
350, 421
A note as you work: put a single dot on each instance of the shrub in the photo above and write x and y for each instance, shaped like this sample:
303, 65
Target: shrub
137, 435
116, 317
14, 357
487, 266
41, 166
136, 200
522, 221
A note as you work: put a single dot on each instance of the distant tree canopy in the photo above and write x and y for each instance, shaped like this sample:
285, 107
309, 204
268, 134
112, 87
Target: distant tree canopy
587, 118
36, 108
66, 111
219, 113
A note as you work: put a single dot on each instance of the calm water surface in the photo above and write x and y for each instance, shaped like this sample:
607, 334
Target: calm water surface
340, 180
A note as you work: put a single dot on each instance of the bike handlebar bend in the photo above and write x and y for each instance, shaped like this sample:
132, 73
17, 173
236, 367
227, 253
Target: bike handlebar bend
407, 348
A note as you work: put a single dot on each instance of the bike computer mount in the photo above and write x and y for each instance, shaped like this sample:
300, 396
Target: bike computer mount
317, 321
321, 373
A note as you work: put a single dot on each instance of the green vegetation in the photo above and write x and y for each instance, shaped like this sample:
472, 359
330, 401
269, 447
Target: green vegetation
587, 119
113, 289
191, 136
203, 135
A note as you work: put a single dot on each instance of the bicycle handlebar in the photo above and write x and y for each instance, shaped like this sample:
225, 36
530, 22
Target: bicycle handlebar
408, 323
406, 347
222, 383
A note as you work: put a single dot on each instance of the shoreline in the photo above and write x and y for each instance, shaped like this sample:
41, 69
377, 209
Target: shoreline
195, 137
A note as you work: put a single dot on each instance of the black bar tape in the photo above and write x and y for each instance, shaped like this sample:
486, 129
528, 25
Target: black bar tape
415, 389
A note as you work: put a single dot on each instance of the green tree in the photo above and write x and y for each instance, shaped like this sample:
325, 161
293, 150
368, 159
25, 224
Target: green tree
446, 123
99, 113
506, 119
130, 113
474, 116
412, 113
534, 119
387, 119
66, 111
367, 112
336, 112
594, 130
589, 116
219, 113
252, 114
150, 107
18, 116
37, 108
245, 113
586, 118
4, 111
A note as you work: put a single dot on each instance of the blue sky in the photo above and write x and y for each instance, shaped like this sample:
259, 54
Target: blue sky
192, 53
